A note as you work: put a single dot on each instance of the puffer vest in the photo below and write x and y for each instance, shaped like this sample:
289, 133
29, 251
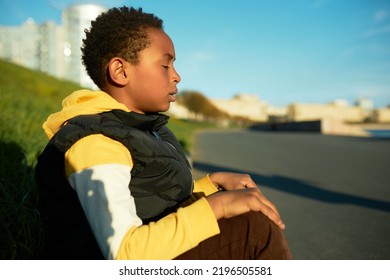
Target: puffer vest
161, 177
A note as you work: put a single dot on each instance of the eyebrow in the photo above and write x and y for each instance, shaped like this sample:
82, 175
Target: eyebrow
170, 56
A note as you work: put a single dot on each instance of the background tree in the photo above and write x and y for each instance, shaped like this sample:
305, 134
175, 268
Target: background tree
200, 106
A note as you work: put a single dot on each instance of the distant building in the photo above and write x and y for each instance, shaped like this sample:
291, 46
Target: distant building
51, 55
277, 113
51, 48
381, 115
75, 20
21, 44
336, 111
244, 105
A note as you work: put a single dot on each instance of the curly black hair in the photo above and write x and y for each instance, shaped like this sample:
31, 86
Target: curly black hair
118, 32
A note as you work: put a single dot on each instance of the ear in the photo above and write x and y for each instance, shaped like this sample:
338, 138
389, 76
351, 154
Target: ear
117, 71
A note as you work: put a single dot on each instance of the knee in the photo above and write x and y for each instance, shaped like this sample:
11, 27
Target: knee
257, 221
270, 239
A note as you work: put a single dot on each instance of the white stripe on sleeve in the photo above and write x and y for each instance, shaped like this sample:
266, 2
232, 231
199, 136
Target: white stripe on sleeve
104, 194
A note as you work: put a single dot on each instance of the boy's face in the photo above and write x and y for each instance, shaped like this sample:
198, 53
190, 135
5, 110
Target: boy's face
153, 81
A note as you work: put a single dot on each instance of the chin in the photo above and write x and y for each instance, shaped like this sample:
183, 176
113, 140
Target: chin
165, 108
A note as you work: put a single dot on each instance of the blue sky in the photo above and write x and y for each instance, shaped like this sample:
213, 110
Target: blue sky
284, 51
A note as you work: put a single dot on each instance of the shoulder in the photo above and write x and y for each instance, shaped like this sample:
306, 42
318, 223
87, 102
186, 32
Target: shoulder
96, 149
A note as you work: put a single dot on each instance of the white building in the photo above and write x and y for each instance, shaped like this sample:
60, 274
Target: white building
51, 48
75, 20
50, 55
21, 44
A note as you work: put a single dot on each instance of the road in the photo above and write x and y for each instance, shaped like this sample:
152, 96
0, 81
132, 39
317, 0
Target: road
333, 192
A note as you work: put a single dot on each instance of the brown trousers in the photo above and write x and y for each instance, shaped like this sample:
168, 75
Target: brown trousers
250, 236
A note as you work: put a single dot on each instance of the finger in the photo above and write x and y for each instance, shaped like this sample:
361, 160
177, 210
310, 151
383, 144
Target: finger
269, 210
248, 182
250, 185
273, 216
267, 202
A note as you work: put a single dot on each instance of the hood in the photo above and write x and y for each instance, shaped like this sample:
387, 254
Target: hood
81, 102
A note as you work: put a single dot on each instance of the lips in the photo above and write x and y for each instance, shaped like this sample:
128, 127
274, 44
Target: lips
172, 97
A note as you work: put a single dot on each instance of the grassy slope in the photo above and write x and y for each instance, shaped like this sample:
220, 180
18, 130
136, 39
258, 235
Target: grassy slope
26, 99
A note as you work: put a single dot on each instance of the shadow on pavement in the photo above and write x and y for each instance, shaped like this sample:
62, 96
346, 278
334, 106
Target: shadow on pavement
300, 188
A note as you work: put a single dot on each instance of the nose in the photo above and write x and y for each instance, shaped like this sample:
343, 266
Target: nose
176, 77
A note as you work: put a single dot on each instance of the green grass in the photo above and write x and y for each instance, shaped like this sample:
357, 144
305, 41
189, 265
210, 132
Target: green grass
184, 131
26, 99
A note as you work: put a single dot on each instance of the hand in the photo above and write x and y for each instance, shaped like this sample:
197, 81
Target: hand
242, 195
232, 181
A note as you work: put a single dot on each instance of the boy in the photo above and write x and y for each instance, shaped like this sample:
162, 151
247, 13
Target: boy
115, 183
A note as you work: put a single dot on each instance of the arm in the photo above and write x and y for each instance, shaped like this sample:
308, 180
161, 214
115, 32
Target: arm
205, 185
172, 235
101, 180
241, 195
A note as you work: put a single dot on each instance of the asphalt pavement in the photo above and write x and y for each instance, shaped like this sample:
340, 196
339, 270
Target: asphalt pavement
333, 192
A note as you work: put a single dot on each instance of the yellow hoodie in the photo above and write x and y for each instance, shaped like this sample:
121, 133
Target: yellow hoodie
98, 169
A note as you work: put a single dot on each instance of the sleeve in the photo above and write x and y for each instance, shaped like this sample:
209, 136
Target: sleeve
205, 185
172, 235
98, 168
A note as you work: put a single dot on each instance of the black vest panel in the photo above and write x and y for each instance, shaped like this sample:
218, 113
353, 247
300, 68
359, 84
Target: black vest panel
161, 177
